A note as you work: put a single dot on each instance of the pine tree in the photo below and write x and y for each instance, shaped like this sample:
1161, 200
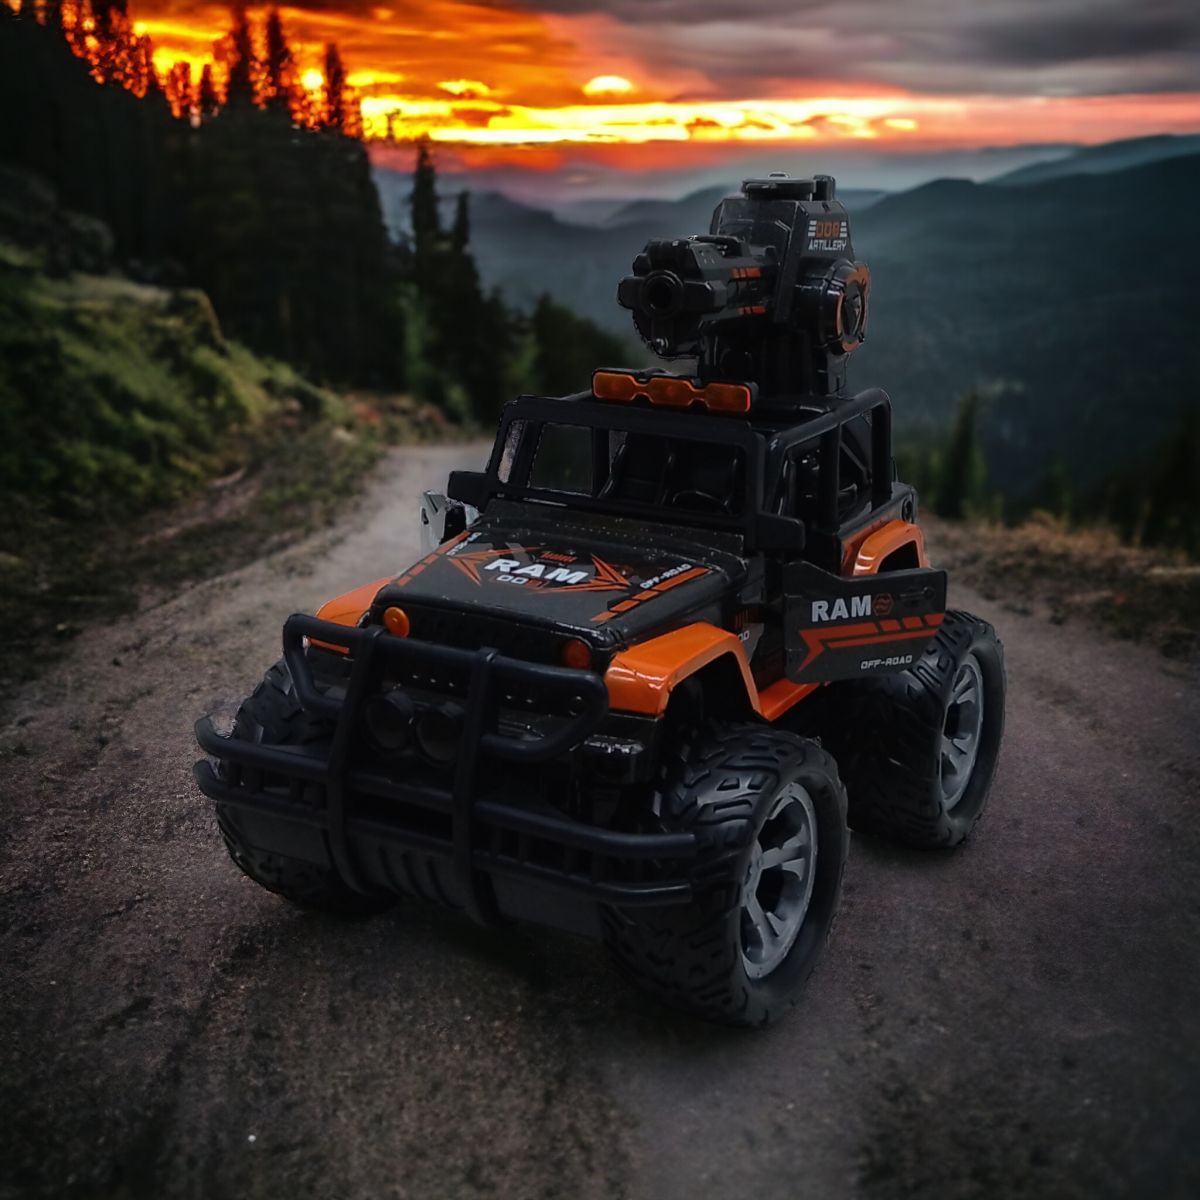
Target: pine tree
208, 103
567, 348
460, 236
1173, 495
107, 15
960, 471
426, 222
280, 65
178, 88
242, 67
144, 78
333, 115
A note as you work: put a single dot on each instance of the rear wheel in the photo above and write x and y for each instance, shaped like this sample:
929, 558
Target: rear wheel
918, 749
273, 716
769, 814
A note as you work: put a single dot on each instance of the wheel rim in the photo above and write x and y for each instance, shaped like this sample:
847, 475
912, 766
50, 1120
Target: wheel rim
962, 731
779, 882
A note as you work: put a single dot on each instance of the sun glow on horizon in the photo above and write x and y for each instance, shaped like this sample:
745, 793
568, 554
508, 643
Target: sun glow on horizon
607, 85
505, 81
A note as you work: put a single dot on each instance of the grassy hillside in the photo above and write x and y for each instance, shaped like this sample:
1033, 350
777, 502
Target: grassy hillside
115, 395
117, 399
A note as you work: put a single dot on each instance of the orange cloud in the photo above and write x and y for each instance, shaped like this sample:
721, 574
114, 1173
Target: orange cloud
505, 84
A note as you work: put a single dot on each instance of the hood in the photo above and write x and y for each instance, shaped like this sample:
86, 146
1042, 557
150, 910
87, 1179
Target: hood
607, 580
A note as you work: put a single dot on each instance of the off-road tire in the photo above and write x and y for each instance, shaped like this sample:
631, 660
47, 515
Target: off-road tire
272, 715
721, 782
885, 733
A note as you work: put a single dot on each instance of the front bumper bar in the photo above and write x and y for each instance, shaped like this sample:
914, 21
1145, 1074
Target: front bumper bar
449, 838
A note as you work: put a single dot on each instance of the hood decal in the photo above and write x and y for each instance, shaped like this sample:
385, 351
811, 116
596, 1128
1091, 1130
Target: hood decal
552, 576
537, 569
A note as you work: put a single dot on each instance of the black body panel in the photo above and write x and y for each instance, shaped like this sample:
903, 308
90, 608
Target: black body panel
601, 580
838, 628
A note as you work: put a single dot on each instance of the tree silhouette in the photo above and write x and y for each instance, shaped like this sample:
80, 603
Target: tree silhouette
108, 15
208, 101
177, 87
567, 348
460, 235
280, 65
240, 88
960, 470
333, 114
426, 221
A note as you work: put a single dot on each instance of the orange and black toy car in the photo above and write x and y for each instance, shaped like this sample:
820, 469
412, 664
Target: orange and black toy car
677, 635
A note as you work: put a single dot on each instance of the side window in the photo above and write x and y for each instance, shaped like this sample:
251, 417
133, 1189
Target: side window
563, 462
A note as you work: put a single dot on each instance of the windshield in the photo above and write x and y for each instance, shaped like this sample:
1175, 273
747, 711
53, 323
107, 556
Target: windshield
625, 470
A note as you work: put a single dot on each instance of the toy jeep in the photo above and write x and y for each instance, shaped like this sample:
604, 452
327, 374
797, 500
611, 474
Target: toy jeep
679, 630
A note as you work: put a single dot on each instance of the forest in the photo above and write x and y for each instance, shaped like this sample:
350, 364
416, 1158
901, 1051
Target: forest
249, 201
256, 194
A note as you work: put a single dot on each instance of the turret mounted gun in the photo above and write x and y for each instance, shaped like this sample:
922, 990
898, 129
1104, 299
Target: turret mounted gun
771, 296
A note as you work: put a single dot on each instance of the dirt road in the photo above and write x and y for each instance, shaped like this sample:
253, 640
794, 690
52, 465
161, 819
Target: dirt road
1019, 1018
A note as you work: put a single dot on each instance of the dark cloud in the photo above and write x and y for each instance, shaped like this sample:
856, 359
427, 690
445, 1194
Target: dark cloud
1128, 32
1003, 46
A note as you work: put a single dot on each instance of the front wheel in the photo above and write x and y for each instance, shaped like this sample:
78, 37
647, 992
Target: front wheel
769, 813
273, 716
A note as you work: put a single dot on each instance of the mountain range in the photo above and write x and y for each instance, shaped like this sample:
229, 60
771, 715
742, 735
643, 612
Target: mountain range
1064, 290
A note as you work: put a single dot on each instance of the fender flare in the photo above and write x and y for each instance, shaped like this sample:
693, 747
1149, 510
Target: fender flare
878, 545
642, 678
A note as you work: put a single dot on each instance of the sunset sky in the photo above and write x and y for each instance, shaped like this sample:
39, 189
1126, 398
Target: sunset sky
647, 86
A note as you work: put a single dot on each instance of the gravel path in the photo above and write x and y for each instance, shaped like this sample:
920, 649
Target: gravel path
1019, 1018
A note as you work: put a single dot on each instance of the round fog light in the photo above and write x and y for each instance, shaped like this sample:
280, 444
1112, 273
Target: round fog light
388, 719
437, 732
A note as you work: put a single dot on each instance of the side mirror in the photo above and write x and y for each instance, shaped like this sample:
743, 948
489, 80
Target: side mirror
442, 519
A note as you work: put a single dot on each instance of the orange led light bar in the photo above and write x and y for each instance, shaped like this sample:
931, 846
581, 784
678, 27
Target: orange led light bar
671, 391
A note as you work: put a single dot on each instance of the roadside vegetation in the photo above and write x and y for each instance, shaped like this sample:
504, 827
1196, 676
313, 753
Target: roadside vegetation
1125, 554
143, 447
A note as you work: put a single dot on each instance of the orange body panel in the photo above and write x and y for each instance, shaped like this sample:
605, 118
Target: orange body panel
348, 608
881, 542
641, 678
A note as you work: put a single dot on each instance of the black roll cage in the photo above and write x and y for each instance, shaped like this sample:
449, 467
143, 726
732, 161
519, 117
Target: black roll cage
765, 447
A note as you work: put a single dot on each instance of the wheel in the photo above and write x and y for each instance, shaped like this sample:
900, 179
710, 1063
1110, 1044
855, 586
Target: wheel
918, 749
769, 813
273, 715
